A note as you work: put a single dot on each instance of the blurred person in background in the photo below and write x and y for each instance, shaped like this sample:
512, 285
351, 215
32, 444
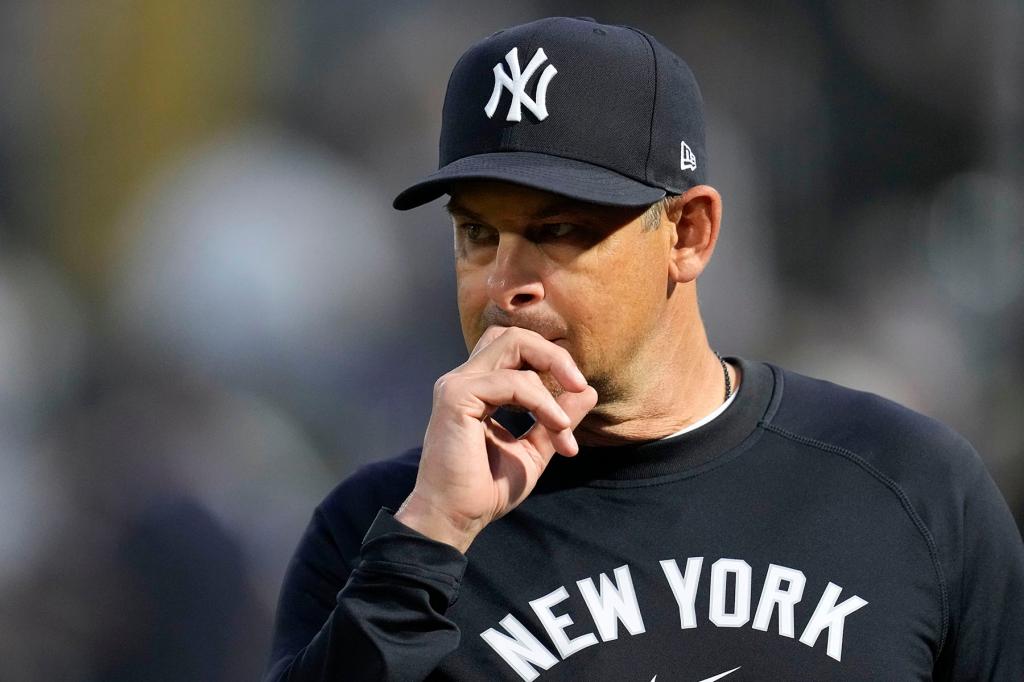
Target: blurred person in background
719, 516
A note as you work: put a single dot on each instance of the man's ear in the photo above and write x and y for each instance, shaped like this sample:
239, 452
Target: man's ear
695, 216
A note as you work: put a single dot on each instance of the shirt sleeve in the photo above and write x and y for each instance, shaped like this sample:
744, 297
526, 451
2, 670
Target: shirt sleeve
987, 632
384, 620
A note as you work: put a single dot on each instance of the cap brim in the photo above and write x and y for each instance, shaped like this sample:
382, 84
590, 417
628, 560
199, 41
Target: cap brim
567, 177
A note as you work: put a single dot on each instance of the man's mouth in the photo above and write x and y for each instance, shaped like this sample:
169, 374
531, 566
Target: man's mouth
548, 327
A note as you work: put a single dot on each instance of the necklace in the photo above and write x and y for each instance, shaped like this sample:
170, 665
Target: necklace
725, 370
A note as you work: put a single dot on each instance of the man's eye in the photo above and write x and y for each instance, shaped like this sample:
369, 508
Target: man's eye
558, 230
476, 233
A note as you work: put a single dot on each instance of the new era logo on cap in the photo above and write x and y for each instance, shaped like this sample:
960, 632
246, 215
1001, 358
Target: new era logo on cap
687, 159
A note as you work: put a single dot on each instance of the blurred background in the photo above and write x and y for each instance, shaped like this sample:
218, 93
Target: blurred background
210, 315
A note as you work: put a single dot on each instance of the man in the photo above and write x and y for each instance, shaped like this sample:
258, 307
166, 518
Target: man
705, 518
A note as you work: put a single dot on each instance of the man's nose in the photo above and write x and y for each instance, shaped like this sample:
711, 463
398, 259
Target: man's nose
514, 282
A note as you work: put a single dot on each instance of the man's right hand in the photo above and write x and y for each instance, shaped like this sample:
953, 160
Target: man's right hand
472, 470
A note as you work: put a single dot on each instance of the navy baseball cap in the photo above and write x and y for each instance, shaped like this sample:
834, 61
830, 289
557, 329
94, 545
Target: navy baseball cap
602, 114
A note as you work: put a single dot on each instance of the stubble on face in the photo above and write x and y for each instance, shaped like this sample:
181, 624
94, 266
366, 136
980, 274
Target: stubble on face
607, 384
548, 326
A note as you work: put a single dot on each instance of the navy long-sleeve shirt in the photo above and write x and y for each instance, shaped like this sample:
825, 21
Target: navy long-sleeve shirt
809, 532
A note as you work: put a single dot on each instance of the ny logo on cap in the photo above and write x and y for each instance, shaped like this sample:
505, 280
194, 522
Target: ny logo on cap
516, 84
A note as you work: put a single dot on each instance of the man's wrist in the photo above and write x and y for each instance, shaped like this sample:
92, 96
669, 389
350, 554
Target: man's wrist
430, 522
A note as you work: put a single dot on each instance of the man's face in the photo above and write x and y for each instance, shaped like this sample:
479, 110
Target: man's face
593, 279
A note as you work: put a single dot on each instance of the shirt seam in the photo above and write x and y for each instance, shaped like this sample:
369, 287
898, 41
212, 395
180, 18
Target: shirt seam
755, 434
751, 439
693, 472
904, 500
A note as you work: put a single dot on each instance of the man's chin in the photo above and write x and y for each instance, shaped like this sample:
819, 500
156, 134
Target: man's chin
550, 383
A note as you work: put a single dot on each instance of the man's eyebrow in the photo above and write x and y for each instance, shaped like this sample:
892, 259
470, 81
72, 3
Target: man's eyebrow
455, 208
